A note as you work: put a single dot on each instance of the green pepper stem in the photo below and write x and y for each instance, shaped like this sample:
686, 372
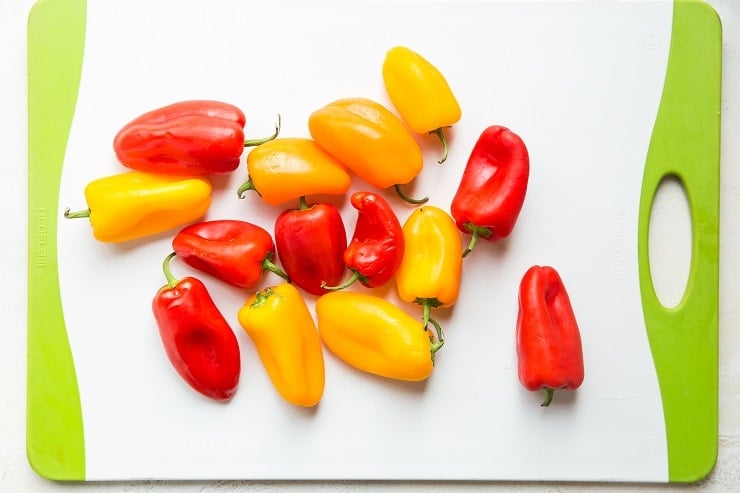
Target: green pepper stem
268, 264
76, 214
408, 199
356, 276
548, 397
477, 232
302, 204
256, 142
245, 187
440, 133
261, 297
427, 304
171, 280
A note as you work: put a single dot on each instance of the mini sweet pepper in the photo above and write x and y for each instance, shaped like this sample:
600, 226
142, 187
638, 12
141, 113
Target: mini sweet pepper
137, 204
370, 140
548, 340
376, 249
234, 251
420, 93
491, 193
374, 335
197, 338
288, 168
285, 335
194, 137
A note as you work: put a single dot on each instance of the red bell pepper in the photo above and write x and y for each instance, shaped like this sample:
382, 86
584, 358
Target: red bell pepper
548, 340
236, 252
191, 138
493, 185
197, 339
310, 242
377, 245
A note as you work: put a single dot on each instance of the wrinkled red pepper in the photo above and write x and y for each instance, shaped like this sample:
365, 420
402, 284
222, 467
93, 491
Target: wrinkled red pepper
548, 339
377, 245
310, 242
236, 252
197, 339
197, 137
493, 185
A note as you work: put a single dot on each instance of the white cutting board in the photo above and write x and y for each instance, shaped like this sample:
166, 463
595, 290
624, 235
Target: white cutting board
580, 82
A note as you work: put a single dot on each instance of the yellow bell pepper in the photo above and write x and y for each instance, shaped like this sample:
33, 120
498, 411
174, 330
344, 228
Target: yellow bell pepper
288, 168
136, 204
420, 93
374, 335
431, 269
370, 140
283, 331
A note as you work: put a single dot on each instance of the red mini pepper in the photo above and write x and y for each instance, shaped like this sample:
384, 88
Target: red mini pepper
310, 243
547, 336
197, 137
377, 245
236, 252
493, 185
197, 339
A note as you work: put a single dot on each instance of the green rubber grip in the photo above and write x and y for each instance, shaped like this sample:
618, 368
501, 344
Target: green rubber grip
685, 145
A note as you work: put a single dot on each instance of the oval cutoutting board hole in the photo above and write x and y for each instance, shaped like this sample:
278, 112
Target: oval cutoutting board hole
669, 241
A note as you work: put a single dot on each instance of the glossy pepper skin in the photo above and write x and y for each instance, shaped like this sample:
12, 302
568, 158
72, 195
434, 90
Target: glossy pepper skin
548, 340
310, 242
375, 336
376, 249
285, 335
370, 140
234, 251
493, 186
197, 137
135, 204
288, 168
197, 339
431, 269
420, 93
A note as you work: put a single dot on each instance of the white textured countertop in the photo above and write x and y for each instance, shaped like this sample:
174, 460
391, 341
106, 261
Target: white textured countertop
16, 474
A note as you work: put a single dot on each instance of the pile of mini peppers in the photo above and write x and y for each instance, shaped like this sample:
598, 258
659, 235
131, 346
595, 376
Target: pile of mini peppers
171, 151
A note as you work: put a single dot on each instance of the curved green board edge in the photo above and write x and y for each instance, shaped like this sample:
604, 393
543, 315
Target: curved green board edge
54, 431
685, 144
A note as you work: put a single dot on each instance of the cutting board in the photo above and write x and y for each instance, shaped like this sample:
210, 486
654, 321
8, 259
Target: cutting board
611, 98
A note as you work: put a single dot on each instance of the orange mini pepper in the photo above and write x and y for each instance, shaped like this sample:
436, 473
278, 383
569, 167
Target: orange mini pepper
420, 93
370, 140
288, 168
375, 336
283, 331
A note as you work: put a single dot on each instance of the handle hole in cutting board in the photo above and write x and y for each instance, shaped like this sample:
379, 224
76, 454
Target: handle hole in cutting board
669, 241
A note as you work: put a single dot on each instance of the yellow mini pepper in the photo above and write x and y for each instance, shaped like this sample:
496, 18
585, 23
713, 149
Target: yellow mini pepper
283, 331
374, 335
137, 204
431, 269
288, 168
370, 140
420, 93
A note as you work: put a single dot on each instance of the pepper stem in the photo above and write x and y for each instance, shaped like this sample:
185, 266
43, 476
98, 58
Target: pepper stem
441, 134
356, 276
267, 264
171, 280
76, 214
245, 187
548, 397
477, 232
256, 142
408, 199
302, 204
427, 304
260, 297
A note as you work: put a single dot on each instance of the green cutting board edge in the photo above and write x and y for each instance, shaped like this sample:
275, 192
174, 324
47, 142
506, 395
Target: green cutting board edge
683, 340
